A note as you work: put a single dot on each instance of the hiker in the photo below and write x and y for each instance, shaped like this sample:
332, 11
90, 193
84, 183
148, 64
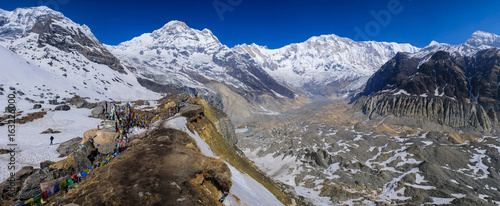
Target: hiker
51, 139
223, 196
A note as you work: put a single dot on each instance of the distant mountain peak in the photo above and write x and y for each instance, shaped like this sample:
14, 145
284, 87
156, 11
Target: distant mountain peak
480, 38
433, 43
175, 24
174, 34
482, 34
14, 24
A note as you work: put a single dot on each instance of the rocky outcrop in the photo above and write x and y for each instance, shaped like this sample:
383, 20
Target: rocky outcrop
31, 187
19, 178
62, 108
442, 87
102, 110
454, 113
221, 121
76, 161
52, 31
37, 106
69, 146
166, 168
104, 141
50, 131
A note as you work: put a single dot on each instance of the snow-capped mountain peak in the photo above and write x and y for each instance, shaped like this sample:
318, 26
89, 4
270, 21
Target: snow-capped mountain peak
174, 34
14, 24
172, 27
433, 43
482, 38
479, 40
325, 60
4, 13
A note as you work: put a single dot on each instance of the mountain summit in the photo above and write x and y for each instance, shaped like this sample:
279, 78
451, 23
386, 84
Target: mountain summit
326, 65
481, 39
14, 24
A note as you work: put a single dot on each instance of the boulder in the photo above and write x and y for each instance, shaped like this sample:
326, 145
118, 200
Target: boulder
106, 148
76, 161
51, 131
62, 108
108, 126
24, 173
53, 102
104, 140
46, 164
103, 109
7, 190
37, 106
191, 108
44, 186
97, 111
31, 187
100, 136
69, 146
80, 104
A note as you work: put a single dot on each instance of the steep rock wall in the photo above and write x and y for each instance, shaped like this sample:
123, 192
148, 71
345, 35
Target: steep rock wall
453, 113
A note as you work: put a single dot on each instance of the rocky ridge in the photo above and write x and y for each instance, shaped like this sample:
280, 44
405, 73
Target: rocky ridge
172, 168
457, 89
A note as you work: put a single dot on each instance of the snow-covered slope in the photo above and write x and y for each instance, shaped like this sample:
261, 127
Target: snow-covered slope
176, 58
248, 190
483, 40
18, 22
325, 61
179, 55
50, 56
478, 41
46, 83
171, 55
33, 147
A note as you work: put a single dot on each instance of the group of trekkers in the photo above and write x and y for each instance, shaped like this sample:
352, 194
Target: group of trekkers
125, 119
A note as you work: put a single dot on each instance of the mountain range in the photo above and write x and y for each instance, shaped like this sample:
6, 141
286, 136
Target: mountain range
243, 81
454, 85
422, 127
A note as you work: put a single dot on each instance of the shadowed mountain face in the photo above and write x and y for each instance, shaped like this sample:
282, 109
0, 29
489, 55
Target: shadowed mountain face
473, 78
54, 29
466, 88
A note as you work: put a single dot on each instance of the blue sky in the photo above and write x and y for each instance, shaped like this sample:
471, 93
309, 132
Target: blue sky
279, 23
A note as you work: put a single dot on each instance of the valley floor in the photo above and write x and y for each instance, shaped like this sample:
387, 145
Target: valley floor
329, 157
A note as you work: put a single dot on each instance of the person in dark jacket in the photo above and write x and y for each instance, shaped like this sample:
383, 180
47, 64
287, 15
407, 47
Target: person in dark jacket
223, 196
51, 139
